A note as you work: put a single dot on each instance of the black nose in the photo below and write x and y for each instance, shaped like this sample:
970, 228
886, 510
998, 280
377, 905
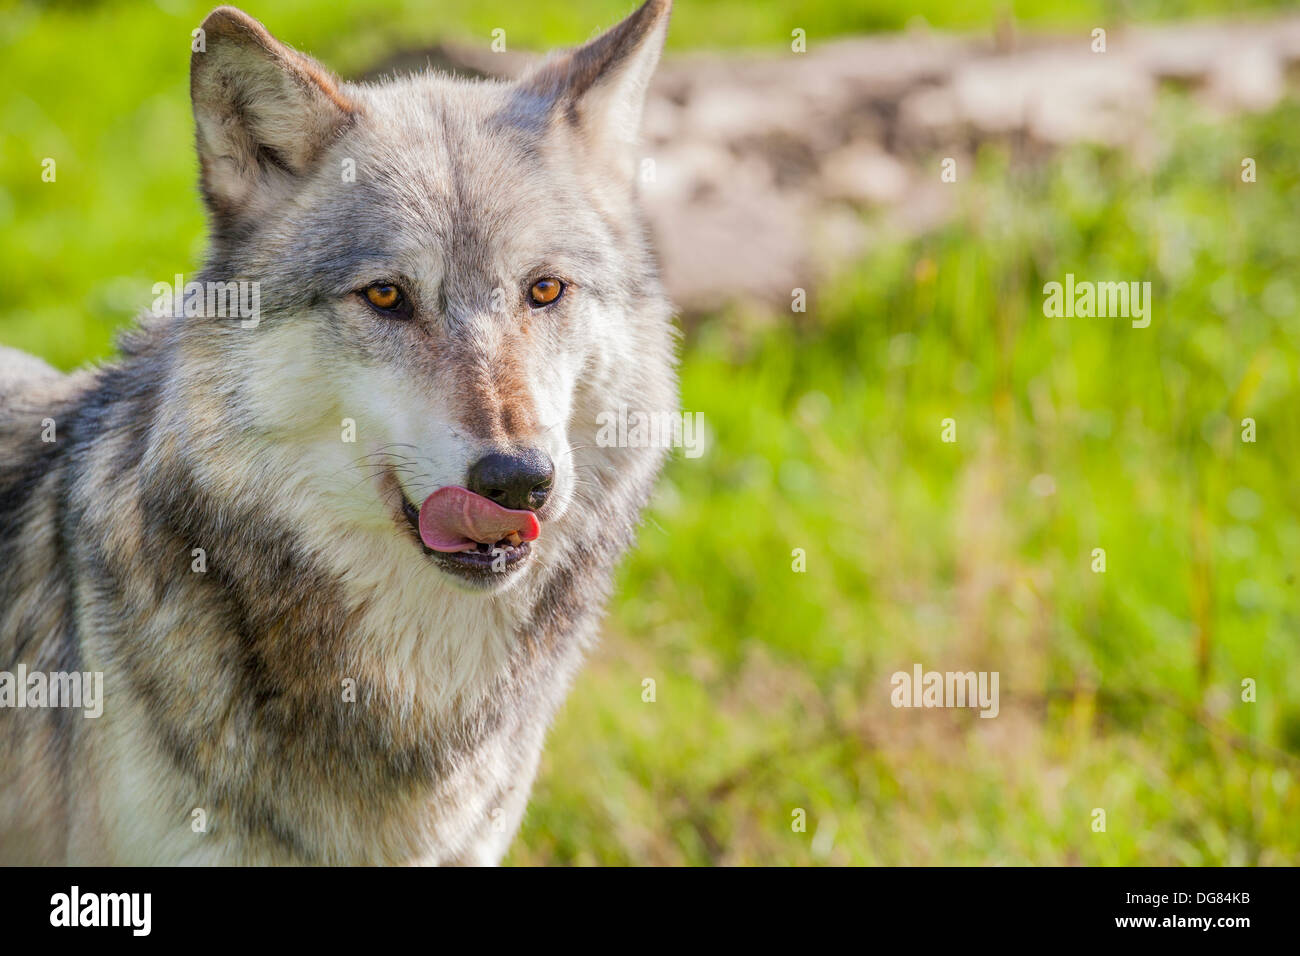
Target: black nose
516, 479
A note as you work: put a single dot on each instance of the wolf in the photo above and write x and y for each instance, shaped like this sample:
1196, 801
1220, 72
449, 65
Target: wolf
338, 565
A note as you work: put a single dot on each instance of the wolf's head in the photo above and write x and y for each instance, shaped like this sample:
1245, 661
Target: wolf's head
454, 285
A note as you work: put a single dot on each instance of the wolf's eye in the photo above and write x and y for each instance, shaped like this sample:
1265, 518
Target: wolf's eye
545, 291
385, 297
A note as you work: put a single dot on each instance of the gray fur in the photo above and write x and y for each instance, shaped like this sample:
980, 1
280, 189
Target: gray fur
223, 688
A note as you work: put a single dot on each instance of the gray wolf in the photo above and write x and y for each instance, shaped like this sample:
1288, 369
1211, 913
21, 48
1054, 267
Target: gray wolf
337, 566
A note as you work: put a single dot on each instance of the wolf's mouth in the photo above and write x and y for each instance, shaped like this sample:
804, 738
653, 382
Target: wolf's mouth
498, 557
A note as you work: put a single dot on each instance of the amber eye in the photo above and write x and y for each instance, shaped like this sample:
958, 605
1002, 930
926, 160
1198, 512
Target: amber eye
383, 296
545, 291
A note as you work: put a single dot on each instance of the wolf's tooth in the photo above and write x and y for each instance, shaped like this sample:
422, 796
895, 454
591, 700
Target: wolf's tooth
515, 539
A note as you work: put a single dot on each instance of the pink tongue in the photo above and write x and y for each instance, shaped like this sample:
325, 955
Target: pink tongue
456, 519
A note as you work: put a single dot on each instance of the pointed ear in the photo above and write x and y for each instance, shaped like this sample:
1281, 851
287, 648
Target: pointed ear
263, 114
599, 89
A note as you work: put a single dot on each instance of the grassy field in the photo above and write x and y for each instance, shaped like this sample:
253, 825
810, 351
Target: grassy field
1120, 690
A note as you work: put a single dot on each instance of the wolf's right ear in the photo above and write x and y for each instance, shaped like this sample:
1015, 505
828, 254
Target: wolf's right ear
263, 113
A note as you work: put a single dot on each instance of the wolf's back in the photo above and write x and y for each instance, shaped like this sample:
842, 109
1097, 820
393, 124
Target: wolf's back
18, 369
32, 397
33, 596
30, 390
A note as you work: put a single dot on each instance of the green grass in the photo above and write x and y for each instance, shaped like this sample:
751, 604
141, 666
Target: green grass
1119, 691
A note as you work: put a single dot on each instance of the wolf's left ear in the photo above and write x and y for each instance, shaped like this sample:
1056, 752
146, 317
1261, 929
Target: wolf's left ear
263, 114
599, 89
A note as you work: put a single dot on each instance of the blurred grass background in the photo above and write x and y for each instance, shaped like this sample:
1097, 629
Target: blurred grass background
1119, 691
